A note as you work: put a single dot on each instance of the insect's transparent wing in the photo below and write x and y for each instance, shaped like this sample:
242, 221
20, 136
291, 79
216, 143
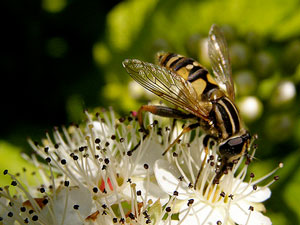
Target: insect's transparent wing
219, 59
168, 86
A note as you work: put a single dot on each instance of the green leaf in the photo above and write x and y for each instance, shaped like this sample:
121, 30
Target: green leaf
10, 159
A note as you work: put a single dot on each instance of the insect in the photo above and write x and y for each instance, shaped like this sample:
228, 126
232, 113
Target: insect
207, 98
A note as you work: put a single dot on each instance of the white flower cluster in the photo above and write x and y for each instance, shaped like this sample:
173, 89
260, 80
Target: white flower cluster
93, 176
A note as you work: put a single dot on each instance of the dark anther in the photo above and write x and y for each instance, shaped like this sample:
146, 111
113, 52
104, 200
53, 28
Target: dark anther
48, 159
95, 189
146, 166
67, 183
190, 202
131, 216
35, 218
175, 193
168, 209
97, 140
63, 161
45, 201
75, 207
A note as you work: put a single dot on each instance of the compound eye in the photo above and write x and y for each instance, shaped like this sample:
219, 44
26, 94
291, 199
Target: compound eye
232, 147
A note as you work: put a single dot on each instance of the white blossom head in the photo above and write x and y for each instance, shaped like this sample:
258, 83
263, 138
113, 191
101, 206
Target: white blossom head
107, 171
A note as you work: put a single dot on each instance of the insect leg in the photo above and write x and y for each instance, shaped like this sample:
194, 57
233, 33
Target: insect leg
206, 142
185, 130
224, 168
161, 111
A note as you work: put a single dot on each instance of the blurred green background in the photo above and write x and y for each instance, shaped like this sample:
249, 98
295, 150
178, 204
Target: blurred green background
60, 57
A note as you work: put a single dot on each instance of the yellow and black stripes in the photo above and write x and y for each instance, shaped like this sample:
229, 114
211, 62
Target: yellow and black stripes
227, 117
224, 113
190, 70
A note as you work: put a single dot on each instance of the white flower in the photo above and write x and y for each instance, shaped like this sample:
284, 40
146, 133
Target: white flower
107, 172
231, 201
99, 156
102, 172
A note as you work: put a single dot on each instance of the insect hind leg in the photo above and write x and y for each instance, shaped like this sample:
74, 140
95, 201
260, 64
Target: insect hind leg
161, 111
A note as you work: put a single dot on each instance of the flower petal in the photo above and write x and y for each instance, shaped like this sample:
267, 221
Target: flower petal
167, 178
149, 156
63, 204
258, 195
153, 191
201, 213
240, 213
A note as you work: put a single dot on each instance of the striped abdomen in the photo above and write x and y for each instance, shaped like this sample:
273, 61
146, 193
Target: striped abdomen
190, 70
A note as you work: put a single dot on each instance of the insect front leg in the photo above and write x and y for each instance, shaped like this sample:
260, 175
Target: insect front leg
185, 130
161, 111
206, 142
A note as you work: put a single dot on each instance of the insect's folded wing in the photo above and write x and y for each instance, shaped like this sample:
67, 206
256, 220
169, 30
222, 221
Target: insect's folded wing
168, 86
219, 59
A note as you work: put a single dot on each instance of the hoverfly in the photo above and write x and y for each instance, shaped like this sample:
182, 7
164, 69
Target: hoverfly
209, 99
